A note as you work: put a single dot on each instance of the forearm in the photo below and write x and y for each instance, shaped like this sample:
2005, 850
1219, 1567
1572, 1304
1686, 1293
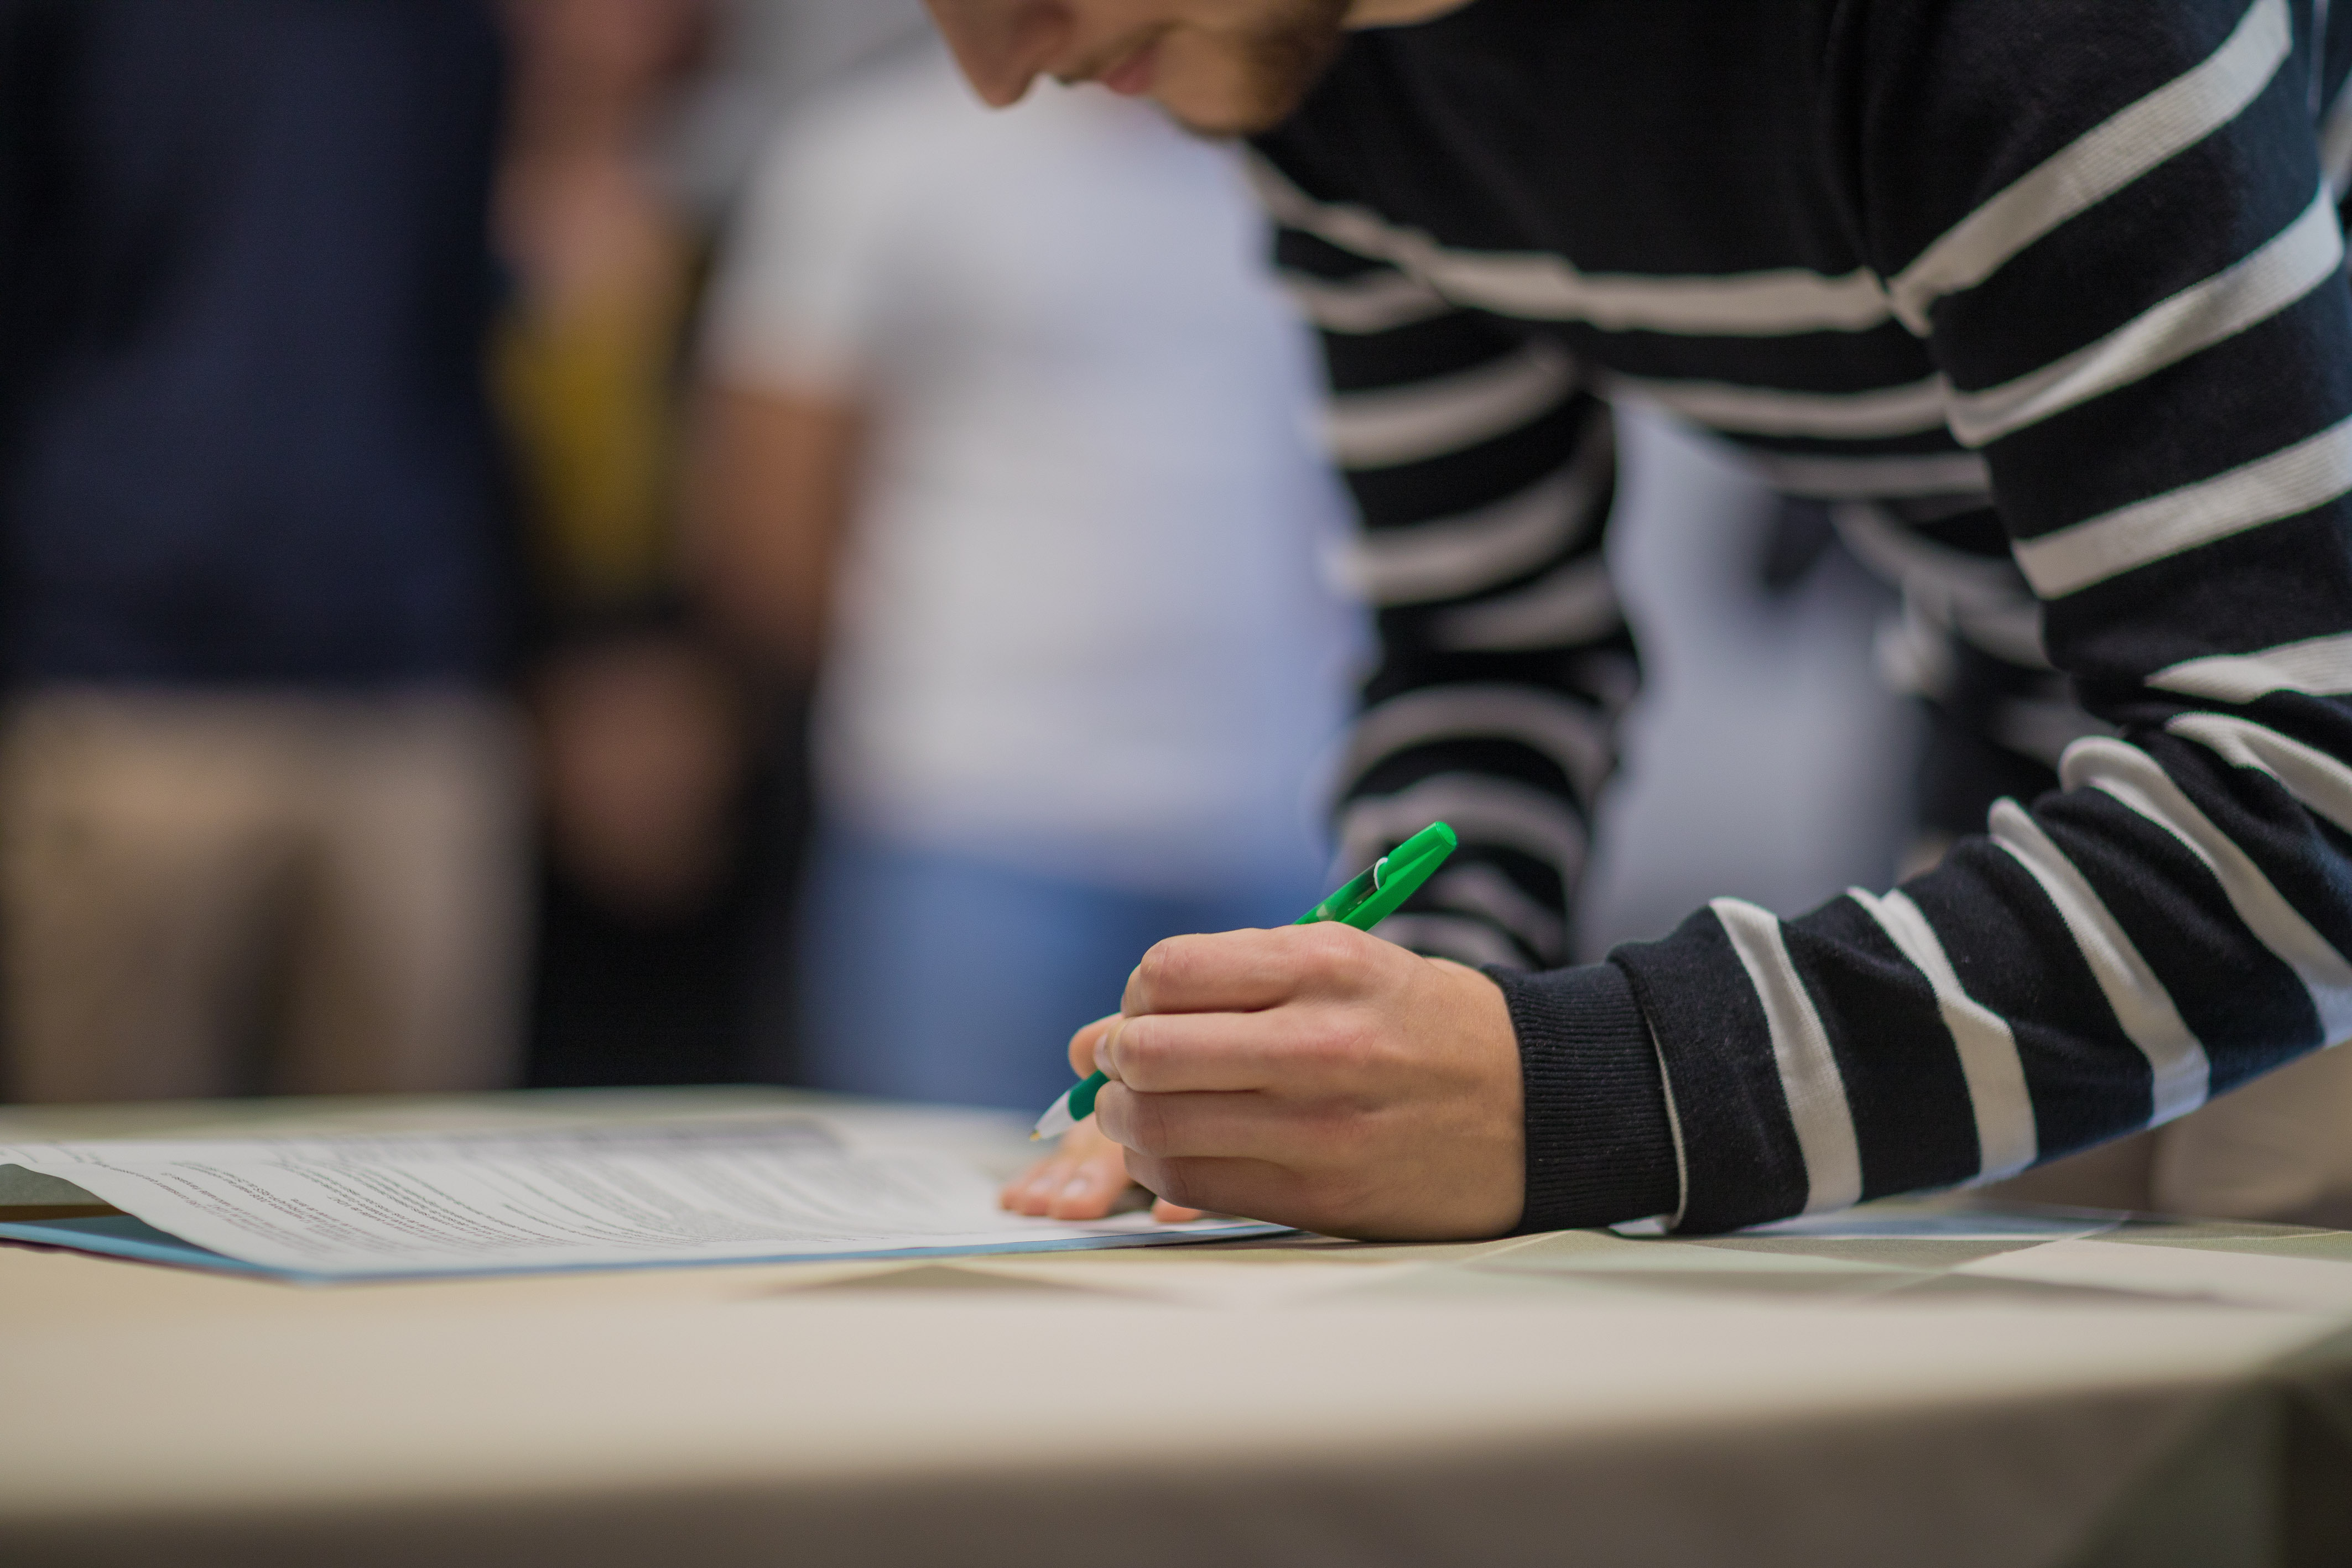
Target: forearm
2168, 451
770, 493
1483, 469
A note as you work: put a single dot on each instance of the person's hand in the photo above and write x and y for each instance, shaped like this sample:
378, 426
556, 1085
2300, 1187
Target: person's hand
1315, 1076
1085, 1175
1084, 1178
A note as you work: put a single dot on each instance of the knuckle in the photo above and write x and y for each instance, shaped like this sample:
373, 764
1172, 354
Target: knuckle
1181, 956
1344, 1040
1326, 953
1110, 1112
1326, 1127
1148, 1122
1178, 1182
1137, 1052
1146, 1172
1160, 970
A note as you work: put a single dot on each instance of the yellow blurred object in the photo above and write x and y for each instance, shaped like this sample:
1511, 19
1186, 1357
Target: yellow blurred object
588, 395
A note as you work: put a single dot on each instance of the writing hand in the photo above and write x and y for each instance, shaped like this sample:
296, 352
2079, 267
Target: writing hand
1315, 1076
1085, 1175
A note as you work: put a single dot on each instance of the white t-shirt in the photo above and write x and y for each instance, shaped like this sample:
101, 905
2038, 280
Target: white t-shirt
1082, 620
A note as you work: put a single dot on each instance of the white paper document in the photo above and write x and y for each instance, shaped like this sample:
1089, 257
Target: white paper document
347, 1208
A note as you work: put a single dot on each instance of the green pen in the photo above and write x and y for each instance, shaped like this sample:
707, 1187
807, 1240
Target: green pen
1363, 904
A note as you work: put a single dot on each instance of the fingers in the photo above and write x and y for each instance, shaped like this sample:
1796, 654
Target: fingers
1083, 1043
1393, 1109
1218, 1126
1299, 1049
1172, 1053
1248, 1189
1082, 1180
1085, 1178
1244, 971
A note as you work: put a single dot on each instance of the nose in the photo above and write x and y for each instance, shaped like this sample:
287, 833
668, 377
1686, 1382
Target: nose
1001, 45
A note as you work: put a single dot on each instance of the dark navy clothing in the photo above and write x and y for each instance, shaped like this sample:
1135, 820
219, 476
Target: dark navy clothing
245, 277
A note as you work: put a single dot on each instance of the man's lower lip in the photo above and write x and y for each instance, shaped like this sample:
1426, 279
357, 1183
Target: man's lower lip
1133, 76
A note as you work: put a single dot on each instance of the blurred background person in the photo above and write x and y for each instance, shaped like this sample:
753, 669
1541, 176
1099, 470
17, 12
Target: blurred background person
602, 264
764, 57
1007, 431
672, 777
261, 800
650, 874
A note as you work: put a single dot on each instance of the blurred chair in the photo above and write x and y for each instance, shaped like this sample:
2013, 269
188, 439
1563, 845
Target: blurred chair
1008, 433
261, 804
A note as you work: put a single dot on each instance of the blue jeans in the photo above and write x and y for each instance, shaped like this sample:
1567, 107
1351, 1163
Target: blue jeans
927, 975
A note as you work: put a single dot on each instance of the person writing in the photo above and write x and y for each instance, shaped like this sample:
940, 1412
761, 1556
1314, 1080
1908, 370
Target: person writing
2053, 304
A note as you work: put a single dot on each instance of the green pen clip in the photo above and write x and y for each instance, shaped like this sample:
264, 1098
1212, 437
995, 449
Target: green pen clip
1363, 902
1373, 897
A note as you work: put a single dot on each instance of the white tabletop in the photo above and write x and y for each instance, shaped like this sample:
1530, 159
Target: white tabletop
1949, 1389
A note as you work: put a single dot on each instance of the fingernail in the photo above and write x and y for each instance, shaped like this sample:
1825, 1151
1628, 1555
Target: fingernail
1078, 1186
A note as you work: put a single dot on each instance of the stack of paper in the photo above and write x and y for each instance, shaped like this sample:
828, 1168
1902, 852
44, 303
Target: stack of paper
771, 1189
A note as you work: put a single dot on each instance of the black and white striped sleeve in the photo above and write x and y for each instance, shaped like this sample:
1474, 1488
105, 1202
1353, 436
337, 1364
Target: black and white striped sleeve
1483, 468
2121, 247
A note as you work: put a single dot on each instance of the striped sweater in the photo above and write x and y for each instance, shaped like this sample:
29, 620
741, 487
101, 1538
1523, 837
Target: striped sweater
2049, 300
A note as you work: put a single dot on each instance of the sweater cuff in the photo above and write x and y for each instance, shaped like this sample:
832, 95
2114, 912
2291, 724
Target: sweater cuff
1601, 1146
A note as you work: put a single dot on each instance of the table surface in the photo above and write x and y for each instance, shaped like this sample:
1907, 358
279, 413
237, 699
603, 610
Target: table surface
1920, 1383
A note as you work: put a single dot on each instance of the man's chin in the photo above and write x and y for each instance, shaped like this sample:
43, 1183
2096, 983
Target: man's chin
1224, 123
1258, 105
1255, 87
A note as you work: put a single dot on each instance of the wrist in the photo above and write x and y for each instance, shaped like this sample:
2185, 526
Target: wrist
1600, 1144
1488, 1185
